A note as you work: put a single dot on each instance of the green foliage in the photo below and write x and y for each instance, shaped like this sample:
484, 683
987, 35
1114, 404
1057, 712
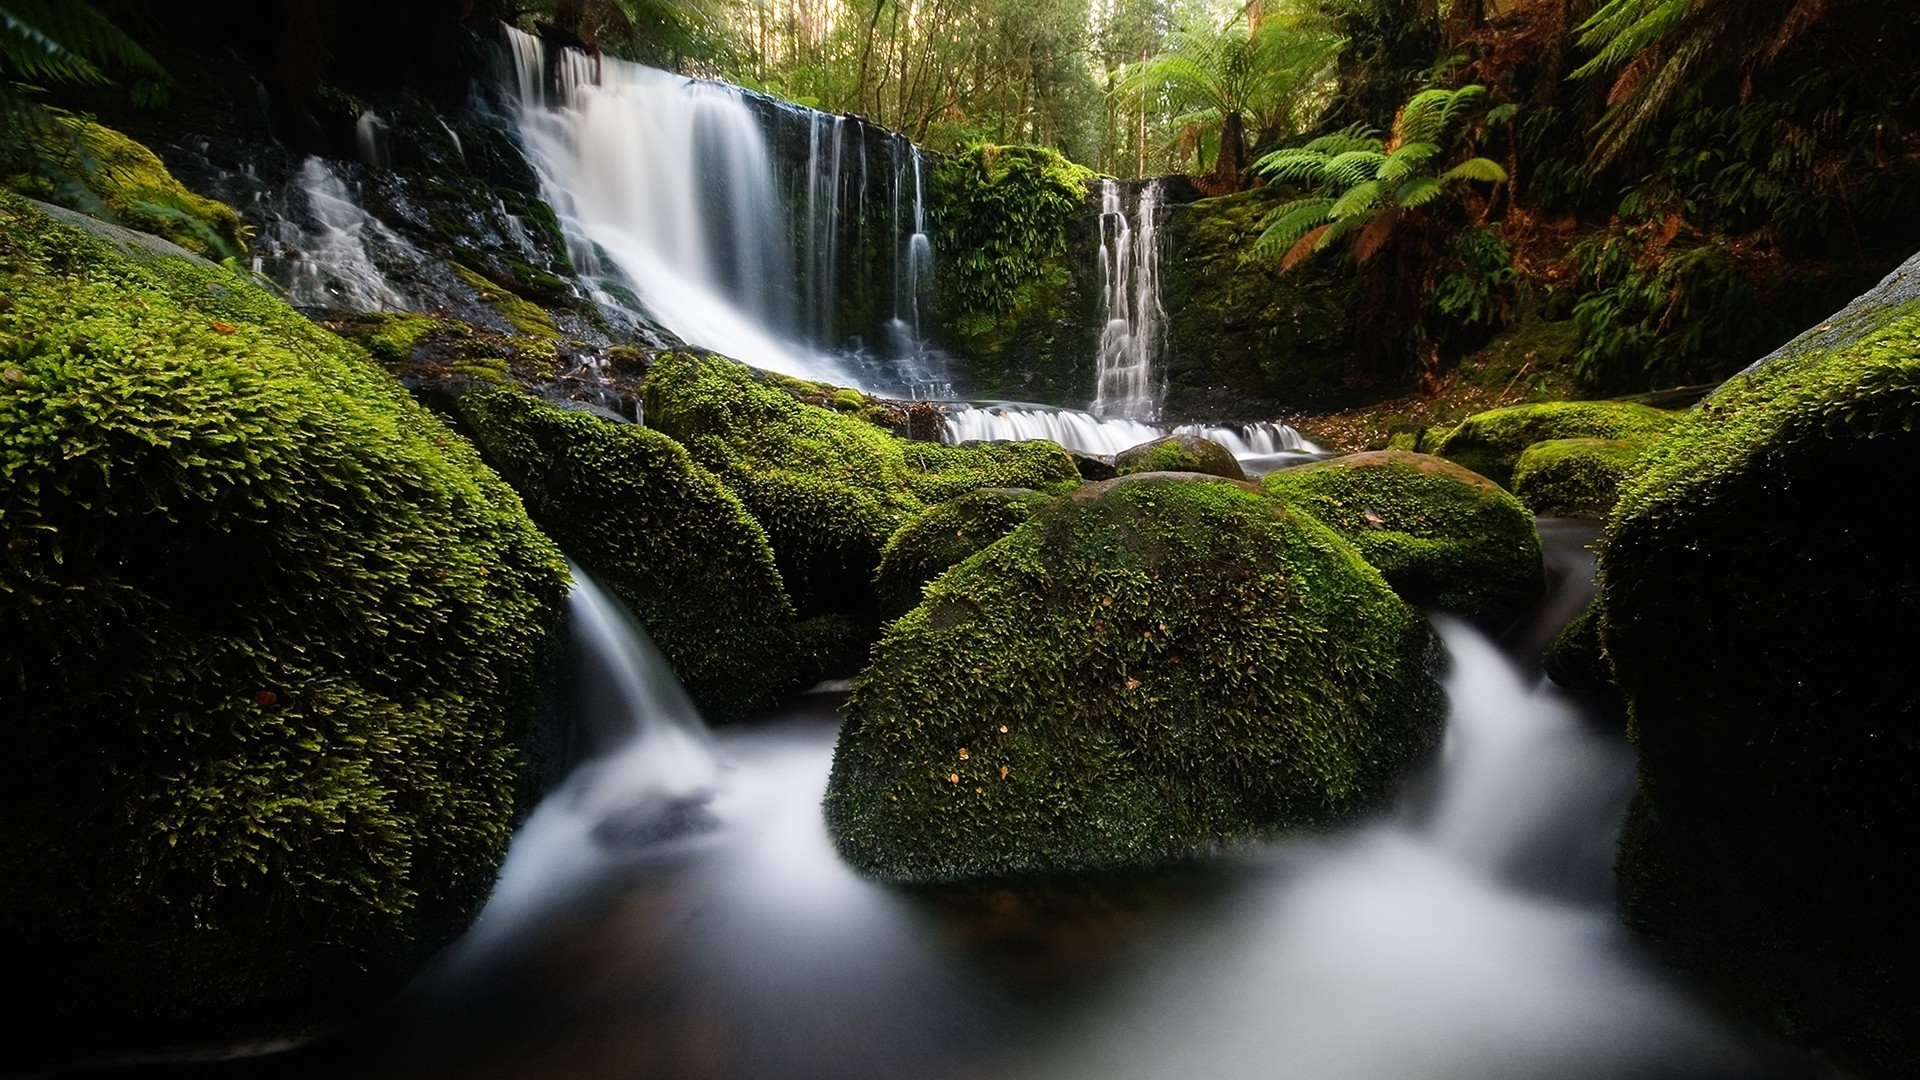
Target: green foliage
1658, 313
1003, 214
945, 536
1144, 669
1438, 533
1576, 659
662, 533
526, 317
1490, 443
1179, 453
1477, 293
1574, 477
829, 489
68, 41
271, 637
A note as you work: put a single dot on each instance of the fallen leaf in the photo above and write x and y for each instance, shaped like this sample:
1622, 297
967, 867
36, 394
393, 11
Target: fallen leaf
265, 698
223, 327
963, 753
1133, 684
1004, 771
1003, 729
953, 778
19, 545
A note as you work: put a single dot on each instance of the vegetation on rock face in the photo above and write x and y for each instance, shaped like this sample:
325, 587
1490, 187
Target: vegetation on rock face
829, 489
1438, 533
661, 532
1148, 667
1179, 453
944, 537
1754, 590
1490, 443
1574, 477
271, 638
1576, 659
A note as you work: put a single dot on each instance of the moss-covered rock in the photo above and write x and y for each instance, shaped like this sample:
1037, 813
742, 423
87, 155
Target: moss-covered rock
1576, 659
1439, 533
1179, 453
1574, 477
1490, 443
944, 537
668, 538
1758, 590
134, 186
270, 638
1150, 666
829, 489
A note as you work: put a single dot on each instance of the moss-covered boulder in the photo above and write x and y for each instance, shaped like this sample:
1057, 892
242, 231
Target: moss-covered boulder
1439, 533
829, 489
1147, 667
944, 537
1179, 453
1490, 443
133, 185
1578, 478
271, 637
668, 538
1759, 591
1576, 659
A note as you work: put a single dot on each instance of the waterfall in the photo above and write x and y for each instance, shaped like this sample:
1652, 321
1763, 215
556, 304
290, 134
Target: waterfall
1260, 447
1131, 313
319, 245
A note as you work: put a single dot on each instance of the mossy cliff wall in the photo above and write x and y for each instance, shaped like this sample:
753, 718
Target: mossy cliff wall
271, 638
1758, 595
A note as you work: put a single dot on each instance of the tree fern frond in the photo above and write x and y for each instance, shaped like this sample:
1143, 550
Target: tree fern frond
1287, 223
1407, 160
1357, 200
1293, 164
1483, 169
1418, 192
1354, 167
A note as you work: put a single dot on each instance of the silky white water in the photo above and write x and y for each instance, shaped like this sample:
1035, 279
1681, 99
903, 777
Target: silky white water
1125, 383
319, 245
1260, 447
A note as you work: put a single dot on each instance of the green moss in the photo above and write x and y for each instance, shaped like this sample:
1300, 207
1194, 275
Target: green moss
138, 191
270, 636
829, 489
1576, 659
392, 335
661, 532
1179, 453
945, 536
1439, 533
525, 316
1490, 443
1144, 669
1758, 587
1574, 477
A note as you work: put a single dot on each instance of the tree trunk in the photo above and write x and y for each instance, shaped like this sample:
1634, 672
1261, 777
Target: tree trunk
1230, 164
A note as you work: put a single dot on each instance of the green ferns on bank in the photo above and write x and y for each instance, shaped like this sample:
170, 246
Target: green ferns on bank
1002, 214
271, 637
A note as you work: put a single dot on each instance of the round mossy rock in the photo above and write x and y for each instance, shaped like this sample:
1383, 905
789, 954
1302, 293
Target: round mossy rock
1148, 667
1490, 443
661, 532
1577, 478
1179, 453
945, 536
271, 641
1759, 589
1576, 659
1440, 534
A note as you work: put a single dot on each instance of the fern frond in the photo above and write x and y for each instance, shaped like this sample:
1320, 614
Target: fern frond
1354, 166
1418, 192
1357, 200
1293, 164
1287, 223
1407, 160
1485, 170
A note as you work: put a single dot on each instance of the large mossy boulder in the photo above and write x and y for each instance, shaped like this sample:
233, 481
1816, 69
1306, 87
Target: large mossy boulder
1150, 666
944, 537
1577, 478
1179, 453
131, 183
1439, 533
1490, 443
668, 538
1759, 590
271, 641
829, 489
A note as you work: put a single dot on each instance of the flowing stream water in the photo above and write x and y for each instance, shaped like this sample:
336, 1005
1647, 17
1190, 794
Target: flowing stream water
675, 910
1131, 312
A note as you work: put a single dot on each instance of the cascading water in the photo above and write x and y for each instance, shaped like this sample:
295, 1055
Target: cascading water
319, 245
1131, 312
1260, 447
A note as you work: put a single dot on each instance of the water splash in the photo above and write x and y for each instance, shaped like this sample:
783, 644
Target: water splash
319, 245
1131, 312
1260, 447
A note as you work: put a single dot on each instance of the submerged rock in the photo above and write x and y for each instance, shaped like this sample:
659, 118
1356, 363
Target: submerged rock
271, 637
1179, 453
1757, 598
1490, 443
944, 537
1148, 667
660, 531
1440, 534
1574, 477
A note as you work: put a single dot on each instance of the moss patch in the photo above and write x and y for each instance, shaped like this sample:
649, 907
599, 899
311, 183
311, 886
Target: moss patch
1757, 594
526, 316
1574, 477
1439, 533
1490, 443
944, 537
1576, 659
661, 532
1148, 667
270, 636
829, 489
1179, 453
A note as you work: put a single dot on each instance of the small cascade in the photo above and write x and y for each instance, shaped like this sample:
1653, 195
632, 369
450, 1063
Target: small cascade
319, 245
1131, 313
1260, 447
646, 764
821, 231
912, 261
